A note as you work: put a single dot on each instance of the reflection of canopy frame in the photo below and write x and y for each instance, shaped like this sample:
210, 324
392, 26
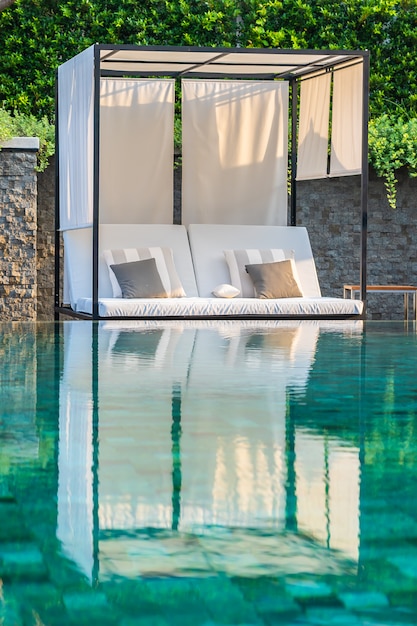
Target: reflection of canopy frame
134, 62
82, 395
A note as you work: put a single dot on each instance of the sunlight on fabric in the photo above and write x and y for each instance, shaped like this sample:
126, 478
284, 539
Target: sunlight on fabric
328, 482
313, 133
235, 152
75, 152
136, 148
345, 158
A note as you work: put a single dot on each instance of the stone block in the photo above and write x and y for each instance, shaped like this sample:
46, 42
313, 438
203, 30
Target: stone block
18, 216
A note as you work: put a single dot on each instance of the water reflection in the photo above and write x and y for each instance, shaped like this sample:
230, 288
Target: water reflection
194, 434
281, 451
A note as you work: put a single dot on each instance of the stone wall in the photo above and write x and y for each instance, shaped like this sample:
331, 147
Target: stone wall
45, 262
18, 240
330, 209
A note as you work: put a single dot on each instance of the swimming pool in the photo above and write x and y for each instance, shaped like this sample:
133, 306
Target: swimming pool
208, 473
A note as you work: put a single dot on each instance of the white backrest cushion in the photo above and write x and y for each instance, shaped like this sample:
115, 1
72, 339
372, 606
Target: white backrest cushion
78, 254
208, 242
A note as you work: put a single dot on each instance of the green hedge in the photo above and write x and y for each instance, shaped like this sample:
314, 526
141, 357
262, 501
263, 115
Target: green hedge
36, 36
21, 125
393, 145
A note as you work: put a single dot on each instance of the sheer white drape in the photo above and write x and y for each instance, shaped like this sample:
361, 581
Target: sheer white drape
235, 140
136, 147
136, 151
75, 125
235, 144
313, 133
346, 145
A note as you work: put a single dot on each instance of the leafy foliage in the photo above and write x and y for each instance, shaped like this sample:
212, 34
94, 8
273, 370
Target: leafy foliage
387, 28
392, 145
6, 125
36, 36
21, 125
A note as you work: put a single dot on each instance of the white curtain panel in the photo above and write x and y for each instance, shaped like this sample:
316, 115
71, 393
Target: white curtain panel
313, 132
136, 151
75, 125
346, 144
235, 145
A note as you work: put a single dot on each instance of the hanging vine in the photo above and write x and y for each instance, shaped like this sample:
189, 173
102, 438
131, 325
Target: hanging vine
393, 145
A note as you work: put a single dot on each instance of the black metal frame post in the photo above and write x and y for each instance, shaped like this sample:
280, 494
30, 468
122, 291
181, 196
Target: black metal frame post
364, 181
294, 123
57, 281
96, 182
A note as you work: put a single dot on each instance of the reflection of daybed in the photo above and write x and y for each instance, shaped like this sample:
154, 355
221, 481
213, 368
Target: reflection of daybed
115, 171
221, 420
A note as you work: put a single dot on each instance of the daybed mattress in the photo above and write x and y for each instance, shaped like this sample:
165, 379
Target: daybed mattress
209, 307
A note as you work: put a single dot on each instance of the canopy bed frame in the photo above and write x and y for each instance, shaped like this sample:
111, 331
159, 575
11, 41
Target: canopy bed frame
114, 137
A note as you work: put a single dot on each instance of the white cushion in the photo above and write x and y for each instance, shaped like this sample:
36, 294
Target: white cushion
78, 255
208, 242
206, 307
225, 291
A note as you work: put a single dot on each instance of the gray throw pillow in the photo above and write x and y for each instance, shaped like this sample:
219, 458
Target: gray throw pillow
274, 280
164, 263
139, 279
238, 259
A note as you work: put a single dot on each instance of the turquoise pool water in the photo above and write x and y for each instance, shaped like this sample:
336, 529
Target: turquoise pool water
207, 474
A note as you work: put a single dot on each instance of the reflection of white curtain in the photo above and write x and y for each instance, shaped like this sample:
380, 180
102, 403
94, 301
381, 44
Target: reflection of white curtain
328, 484
135, 441
75, 124
313, 133
235, 152
75, 484
136, 151
75, 456
346, 150
237, 384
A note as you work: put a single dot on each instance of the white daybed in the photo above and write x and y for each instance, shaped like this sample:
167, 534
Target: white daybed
115, 129
201, 266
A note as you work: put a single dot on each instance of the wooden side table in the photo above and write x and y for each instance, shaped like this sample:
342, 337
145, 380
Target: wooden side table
406, 290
